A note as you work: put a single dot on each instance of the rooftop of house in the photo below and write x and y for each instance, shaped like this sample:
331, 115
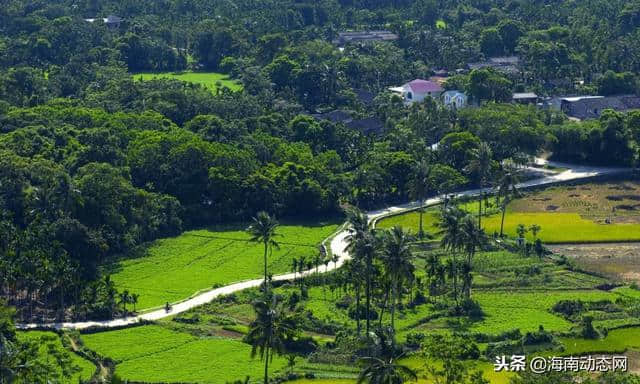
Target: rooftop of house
423, 86
505, 60
508, 64
368, 125
524, 95
439, 79
335, 116
573, 99
111, 19
454, 92
587, 107
366, 36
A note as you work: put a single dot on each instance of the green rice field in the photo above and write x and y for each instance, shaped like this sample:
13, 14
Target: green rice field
174, 269
617, 340
155, 354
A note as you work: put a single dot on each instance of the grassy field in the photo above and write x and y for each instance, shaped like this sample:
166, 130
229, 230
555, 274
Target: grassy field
589, 213
156, 354
411, 220
527, 310
207, 79
86, 367
175, 268
617, 341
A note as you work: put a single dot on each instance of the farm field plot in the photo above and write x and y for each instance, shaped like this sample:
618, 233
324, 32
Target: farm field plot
507, 310
587, 213
208, 79
617, 340
411, 221
86, 368
173, 269
620, 261
155, 354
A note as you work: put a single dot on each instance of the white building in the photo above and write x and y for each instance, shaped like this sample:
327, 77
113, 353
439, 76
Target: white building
454, 99
417, 90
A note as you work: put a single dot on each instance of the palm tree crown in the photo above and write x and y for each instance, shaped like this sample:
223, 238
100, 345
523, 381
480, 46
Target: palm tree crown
378, 371
269, 331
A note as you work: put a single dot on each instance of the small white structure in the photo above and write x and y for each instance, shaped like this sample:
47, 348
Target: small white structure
110, 21
417, 90
454, 99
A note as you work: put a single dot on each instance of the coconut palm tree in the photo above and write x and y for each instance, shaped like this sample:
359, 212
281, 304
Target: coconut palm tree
134, 300
363, 244
450, 221
268, 332
355, 276
383, 369
379, 371
535, 229
480, 165
421, 186
507, 190
472, 238
263, 230
294, 265
397, 259
335, 259
125, 298
302, 262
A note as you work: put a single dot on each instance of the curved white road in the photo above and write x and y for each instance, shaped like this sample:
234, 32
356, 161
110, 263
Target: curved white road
338, 245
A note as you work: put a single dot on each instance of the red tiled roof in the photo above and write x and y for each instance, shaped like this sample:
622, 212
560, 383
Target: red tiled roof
424, 86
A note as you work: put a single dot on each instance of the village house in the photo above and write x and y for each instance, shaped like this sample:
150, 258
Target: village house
525, 98
454, 99
506, 65
367, 125
364, 37
417, 90
591, 107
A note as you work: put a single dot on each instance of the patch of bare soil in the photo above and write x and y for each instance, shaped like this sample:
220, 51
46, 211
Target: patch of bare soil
605, 202
634, 361
619, 261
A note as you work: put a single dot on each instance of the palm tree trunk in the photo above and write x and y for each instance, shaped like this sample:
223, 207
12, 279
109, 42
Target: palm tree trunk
266, 367
266, 288
384, 305
421, 232
368, 294
480, 209
394, 299
504, 211
358, 308
455, 279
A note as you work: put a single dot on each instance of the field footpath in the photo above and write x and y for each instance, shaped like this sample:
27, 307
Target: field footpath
337, 246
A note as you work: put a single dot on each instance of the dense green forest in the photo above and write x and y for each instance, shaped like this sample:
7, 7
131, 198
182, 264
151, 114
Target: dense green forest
95, 163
